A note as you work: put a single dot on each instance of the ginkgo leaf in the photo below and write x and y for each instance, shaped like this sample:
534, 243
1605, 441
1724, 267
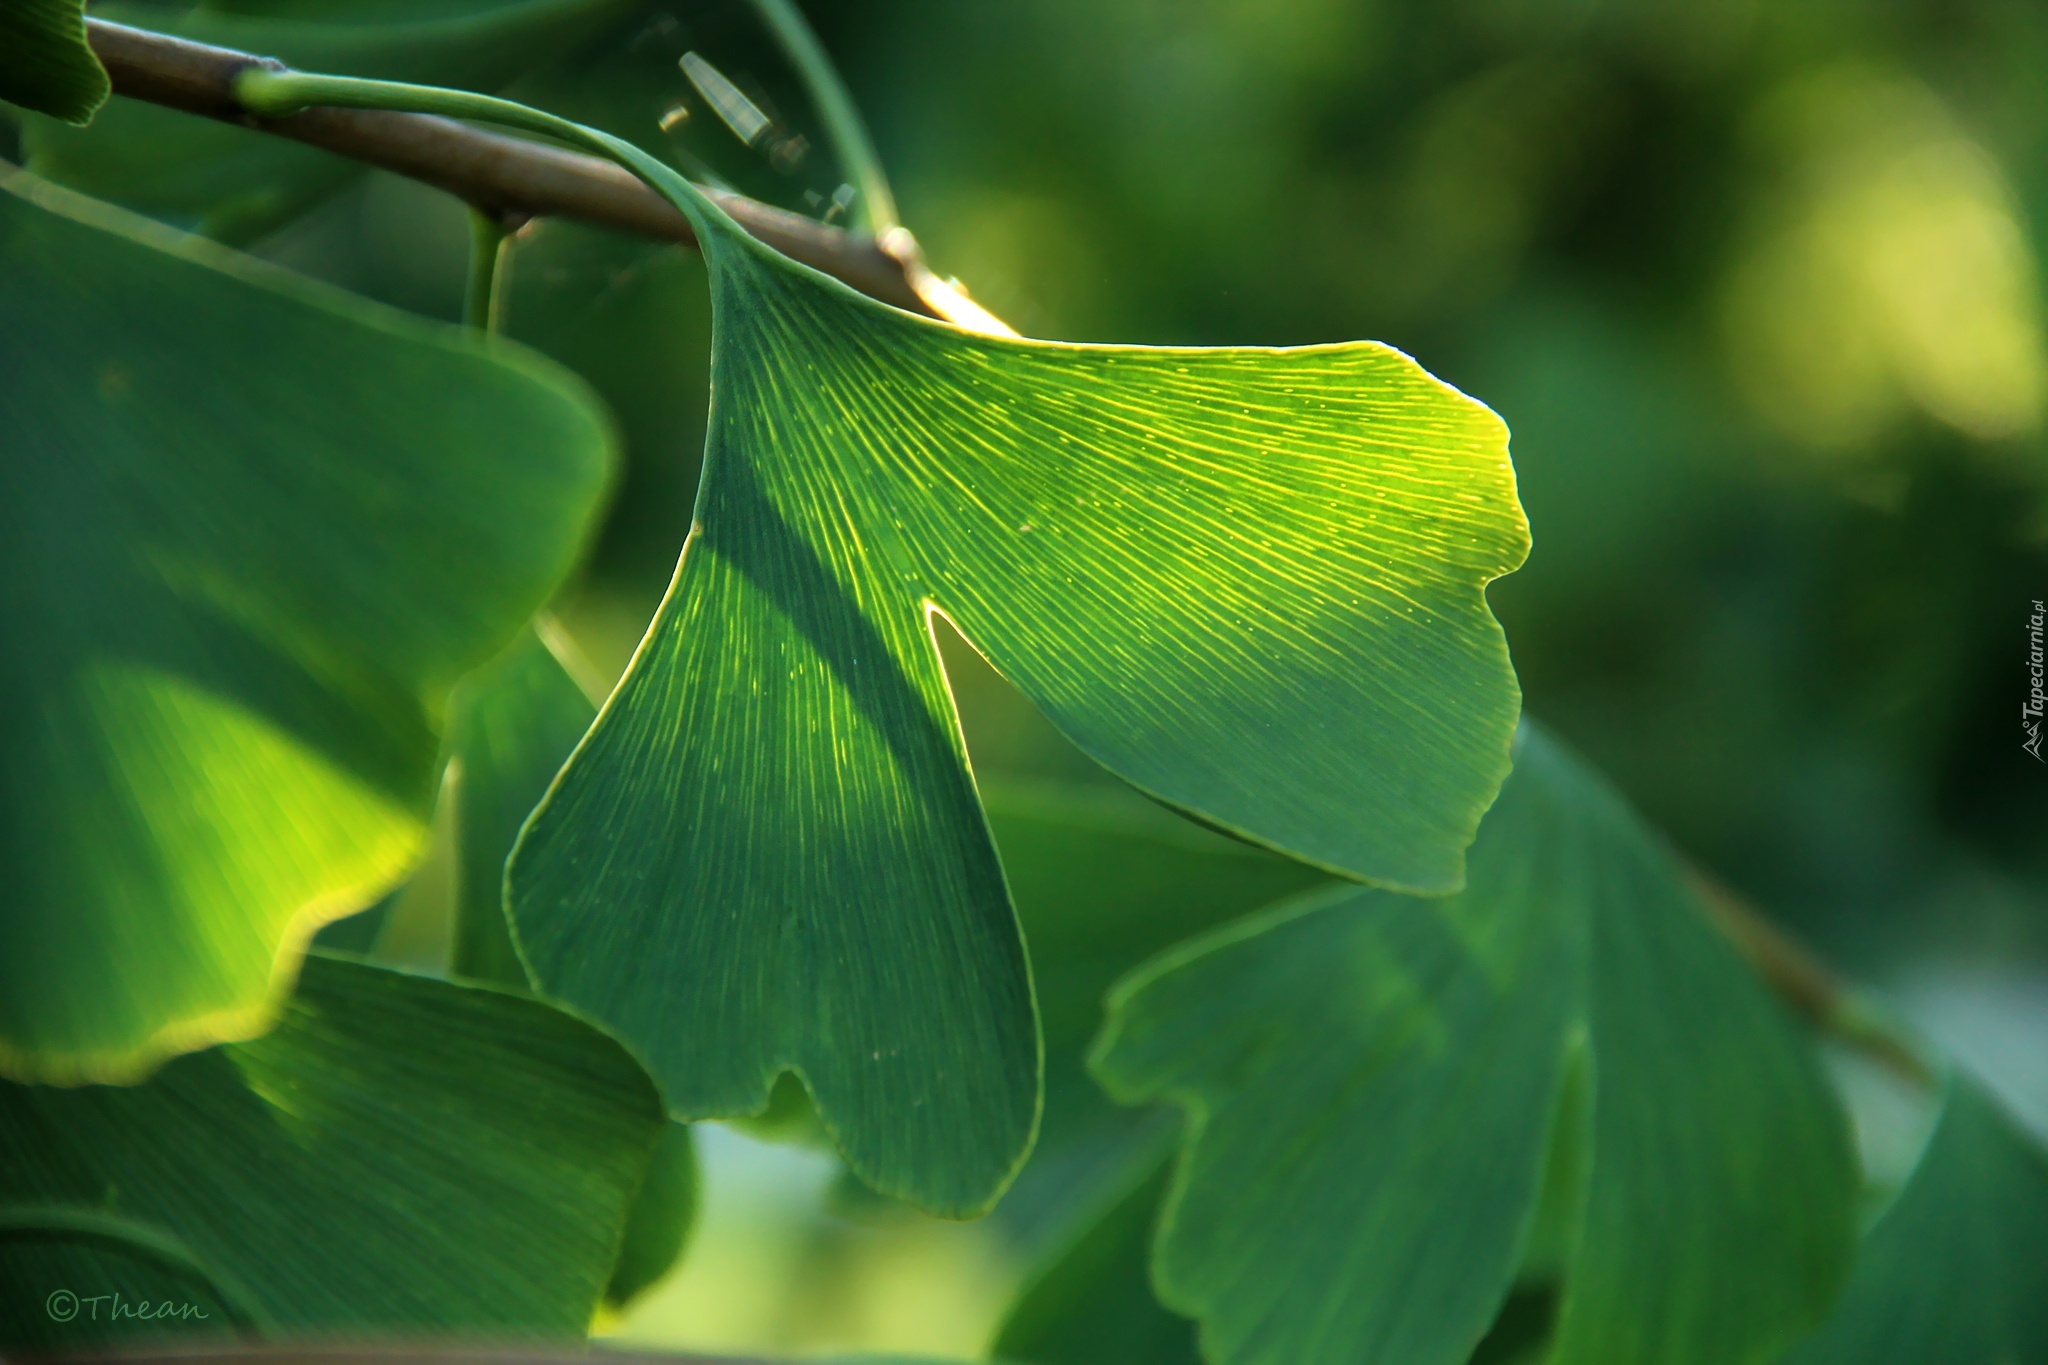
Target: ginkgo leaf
73, 1278
236, 184
1103, 880
45, 62
659, 1222
1956, 1270
515, 722
1377, 1085
1250, 581
253, 531
1093, 1304
400, 1152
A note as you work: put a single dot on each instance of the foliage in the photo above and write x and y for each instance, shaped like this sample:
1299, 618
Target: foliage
865, 470
1379, 1201
235, 184
341, 1176
1389, 1069
258, 546
49, 66
1952, 1271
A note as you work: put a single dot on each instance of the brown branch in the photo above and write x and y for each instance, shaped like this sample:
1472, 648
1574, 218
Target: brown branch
501, 175
1804, 984
214, 1351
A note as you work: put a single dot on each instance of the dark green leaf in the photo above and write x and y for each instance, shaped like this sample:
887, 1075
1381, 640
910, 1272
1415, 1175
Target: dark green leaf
72, 1278
236, 184
1093, 1304
400, 1152
45, 63
1104, 879
1956, 1271
1250, 581
254, 532
660, 1219
1377, 1084
515, 722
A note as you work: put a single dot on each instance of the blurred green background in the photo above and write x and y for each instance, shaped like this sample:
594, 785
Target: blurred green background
1758, 288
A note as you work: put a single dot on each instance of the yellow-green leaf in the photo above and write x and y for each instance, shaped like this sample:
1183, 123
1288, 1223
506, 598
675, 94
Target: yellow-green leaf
1250, 581
253, 532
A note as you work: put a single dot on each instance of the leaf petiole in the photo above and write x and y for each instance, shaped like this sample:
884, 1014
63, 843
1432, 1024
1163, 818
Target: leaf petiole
489, 242
277, 94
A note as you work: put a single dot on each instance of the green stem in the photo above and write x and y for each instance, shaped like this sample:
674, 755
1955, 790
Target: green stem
836, 110
488, 243
279, 94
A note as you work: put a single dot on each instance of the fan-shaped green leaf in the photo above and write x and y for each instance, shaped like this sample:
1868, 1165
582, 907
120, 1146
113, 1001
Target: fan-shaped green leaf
236, 184
1373, 1083
253, 533
1250, 581
45, 63
399, 1152
1956, 1271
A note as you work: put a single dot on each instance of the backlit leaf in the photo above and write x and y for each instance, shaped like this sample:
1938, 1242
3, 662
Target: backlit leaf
1956, 1271
45, 63
252, 534
1376, 1086
1249, 581
400, 1152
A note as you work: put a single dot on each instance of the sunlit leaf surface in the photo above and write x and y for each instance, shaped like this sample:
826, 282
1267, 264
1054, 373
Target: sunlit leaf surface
45, 63
253, 533
1375, 1085
236, 184
399, 1153
1250, 581
1956, 1270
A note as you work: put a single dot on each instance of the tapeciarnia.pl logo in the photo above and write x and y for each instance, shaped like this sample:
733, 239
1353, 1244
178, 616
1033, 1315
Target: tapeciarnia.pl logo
2037, 699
